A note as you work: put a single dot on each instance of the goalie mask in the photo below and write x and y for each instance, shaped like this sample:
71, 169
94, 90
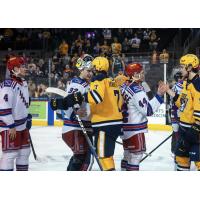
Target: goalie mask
84, 62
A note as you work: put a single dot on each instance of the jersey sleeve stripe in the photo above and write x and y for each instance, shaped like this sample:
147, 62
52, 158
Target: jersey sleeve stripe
159, 98
95, 97
4, 112
98, 95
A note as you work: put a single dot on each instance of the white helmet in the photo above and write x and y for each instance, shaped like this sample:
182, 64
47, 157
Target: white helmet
84, 62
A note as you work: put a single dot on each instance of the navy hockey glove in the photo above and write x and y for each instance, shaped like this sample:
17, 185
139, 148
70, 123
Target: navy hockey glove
195, 133
29, 122
195, 129
73, 99
53, 104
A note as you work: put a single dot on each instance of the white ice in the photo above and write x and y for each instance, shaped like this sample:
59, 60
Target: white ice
54, 155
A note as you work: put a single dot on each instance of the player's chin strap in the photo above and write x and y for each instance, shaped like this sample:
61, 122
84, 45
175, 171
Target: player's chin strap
92, 149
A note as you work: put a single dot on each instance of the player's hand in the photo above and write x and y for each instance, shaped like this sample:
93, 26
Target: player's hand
73, 99
29, 122
12, 133
53, 104
162, 88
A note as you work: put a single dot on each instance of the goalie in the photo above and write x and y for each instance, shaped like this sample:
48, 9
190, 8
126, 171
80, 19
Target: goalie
71, 131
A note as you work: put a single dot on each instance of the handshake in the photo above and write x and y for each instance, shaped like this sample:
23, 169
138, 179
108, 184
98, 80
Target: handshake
72, 100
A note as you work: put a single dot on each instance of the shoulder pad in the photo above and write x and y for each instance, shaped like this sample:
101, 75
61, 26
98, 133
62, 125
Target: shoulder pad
9, 83
196, 84
136, 88
99, 77
77, 80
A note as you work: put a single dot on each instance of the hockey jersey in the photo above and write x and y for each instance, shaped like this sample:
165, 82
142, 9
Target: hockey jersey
14, 104
105, 101
70, 121
138, 108
178, 86
188, 102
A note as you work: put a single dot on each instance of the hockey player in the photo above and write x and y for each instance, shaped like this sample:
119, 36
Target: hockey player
14, 103
174, 110
136, 108
188, 144
71, 131
106, 117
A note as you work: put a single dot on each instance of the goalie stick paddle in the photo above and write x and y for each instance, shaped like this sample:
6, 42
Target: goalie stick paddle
56, 91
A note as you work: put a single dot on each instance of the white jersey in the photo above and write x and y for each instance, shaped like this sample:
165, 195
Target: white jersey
174, 109
70, 121
14, 103
138, 107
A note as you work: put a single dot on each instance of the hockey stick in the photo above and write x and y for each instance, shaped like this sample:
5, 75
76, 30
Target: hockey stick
32, 147
92, 149
34, 153
149, 154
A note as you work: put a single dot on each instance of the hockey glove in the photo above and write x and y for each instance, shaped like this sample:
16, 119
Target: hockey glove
195, 129
73, 99
29, 122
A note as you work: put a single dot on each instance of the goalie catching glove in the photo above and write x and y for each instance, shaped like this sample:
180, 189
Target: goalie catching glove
69, 101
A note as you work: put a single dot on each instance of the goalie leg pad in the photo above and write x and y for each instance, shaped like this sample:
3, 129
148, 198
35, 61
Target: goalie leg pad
107, 163
76, 141
7, 160
22, 161
134, 161
182, 163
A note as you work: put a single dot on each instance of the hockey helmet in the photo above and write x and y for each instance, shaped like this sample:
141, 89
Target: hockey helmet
133, 68
101, 64
15, 62
190, 60
84, 62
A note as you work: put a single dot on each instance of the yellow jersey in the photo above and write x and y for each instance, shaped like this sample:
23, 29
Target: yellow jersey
105, 102
188, 102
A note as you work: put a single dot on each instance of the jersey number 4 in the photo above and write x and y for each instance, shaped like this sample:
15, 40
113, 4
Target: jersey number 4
5, 97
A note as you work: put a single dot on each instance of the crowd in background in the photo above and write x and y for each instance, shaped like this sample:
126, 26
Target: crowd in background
66, 45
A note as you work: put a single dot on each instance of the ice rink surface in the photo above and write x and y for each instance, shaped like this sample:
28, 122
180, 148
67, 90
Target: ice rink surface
54, 155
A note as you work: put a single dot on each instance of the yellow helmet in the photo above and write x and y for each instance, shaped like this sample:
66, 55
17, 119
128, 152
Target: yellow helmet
101, 64
190, 59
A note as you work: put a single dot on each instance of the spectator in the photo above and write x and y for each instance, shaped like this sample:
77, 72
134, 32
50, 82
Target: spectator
125, 45
88, 48
135, 43
164, 56
153, 43
61, 85
32, 88
97, 49
74, 59
116, 47
63, 49
105, 48
107, 34
154, 57
118, 65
